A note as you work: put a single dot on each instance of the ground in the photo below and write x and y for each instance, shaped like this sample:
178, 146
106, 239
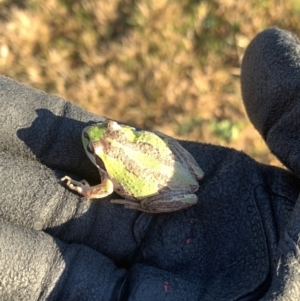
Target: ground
169, 65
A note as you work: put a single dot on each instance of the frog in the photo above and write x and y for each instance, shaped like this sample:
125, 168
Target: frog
150, 170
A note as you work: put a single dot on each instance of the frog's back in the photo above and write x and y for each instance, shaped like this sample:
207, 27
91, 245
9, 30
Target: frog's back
137, 168
144, 166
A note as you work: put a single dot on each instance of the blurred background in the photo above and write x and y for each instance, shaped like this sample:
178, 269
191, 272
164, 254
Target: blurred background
169, 65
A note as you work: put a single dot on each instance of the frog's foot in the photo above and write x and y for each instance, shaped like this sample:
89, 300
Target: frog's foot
72, 184
78, 186
90, 192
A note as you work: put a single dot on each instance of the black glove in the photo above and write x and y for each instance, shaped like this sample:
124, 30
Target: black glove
57, 246
271, 92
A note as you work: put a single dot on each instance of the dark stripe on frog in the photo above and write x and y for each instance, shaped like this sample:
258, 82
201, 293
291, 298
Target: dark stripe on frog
144, 137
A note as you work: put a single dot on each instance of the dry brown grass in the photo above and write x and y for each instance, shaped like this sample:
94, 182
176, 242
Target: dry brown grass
167, 64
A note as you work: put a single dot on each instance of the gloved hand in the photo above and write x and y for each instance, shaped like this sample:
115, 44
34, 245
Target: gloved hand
271, 93
57, 246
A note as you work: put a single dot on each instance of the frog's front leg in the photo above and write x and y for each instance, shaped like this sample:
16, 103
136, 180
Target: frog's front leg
102, 190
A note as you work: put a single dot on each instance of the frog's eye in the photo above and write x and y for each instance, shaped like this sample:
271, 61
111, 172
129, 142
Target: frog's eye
90, 149
85, 135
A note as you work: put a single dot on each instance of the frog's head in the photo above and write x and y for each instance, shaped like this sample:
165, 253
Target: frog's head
97, 138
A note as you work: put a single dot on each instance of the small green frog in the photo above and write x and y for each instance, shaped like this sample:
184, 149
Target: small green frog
152, 171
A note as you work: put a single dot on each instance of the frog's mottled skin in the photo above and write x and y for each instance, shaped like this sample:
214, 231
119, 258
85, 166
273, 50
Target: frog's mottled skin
152, 171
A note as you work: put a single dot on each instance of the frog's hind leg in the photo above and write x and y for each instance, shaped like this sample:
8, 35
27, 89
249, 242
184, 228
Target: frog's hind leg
169, 203
182, 154
128, 204
159, 204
